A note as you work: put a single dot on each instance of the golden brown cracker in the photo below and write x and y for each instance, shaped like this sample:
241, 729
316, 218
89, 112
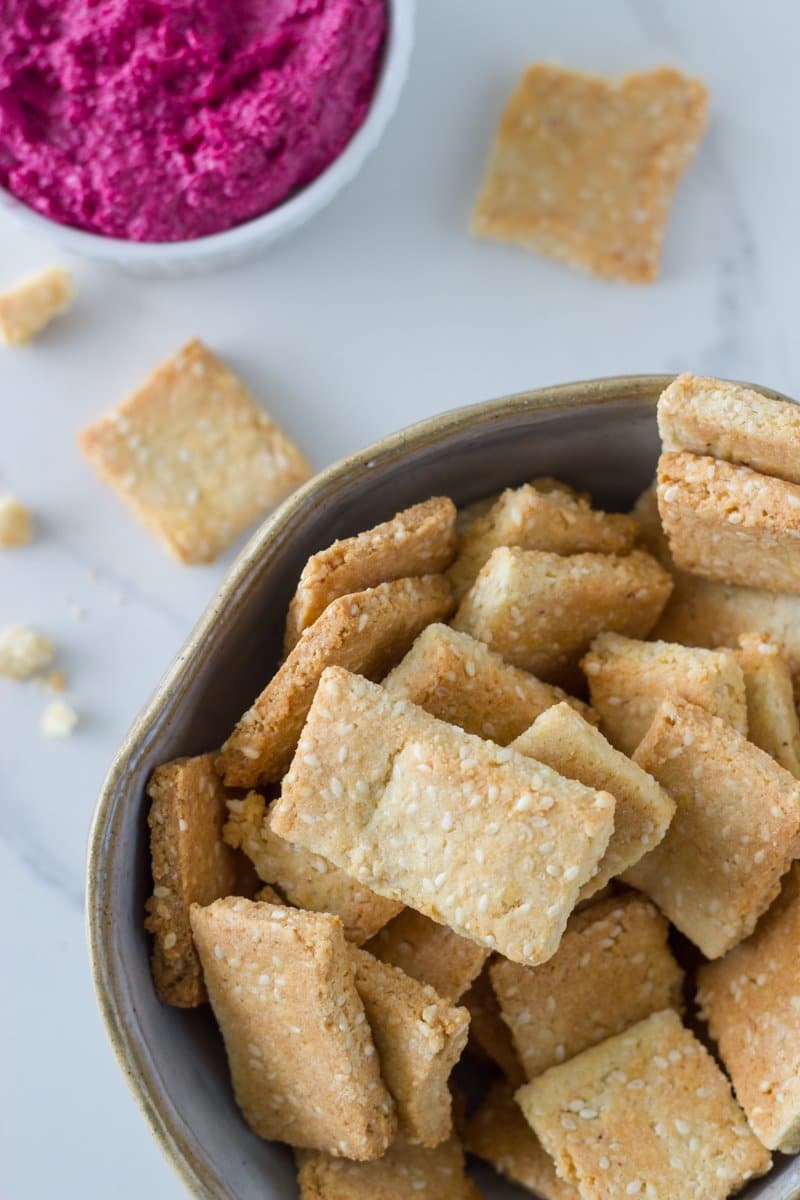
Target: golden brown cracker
429, 952
771, 713
405, 1172
489, 1032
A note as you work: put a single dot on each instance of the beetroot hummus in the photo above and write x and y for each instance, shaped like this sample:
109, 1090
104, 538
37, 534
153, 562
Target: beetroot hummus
158, 120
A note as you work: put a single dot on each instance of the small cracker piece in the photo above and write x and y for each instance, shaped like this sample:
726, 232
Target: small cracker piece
419, 1038
30, 305
561, 739
301, 1056
405, 1172
628, 679
583, 168
735, 831
449, 824
647, 1113
190, 863
429, 952
541, 611
488, 1031
751, 1000
771, 714
420, 540
305, 879
734, 423
16, 524
367, 632
193, 455
23, 652
612, 969
460, 680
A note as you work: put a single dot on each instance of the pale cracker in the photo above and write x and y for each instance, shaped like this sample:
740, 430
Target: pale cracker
771, 714
488, 1032
30, 305
193, 455
735, 831
646, 1113
405, 1172
429, 952
584, 168
16, 524
368, 632
477, 837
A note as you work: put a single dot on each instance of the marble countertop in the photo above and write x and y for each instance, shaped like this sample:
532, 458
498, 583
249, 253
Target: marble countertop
381, 312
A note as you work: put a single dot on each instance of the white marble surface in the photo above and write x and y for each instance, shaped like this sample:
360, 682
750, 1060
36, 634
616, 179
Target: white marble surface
381, 312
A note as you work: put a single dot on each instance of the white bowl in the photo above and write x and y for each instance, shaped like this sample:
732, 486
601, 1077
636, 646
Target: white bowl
252, 237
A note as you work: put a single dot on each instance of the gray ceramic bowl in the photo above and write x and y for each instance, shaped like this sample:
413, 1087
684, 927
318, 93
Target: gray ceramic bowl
599, 435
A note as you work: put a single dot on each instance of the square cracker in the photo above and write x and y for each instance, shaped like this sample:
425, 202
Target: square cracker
420, 540
541, 611
367, 632
488, 1033
583, 168
190, 862
301, 1056
751, 1000
628, 680
557, 521
737, 424
405, 1172
305, 879
771, 714
460, 680
735, 831
193, 455
429, 952
419, 1038
612, 969
730, 523
30, 305
477, 837
645, 1113
561, 739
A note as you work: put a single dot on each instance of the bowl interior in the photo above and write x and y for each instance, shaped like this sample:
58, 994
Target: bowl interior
599, 436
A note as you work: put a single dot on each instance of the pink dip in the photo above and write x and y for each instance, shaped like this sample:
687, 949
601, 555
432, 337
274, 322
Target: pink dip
158, 120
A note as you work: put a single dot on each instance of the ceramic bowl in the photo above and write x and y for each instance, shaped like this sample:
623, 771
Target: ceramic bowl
599, 435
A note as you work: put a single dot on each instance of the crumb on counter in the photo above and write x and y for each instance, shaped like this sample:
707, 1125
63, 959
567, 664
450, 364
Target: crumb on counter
23, 652
16, 525
54, 681
59, 719
28, 306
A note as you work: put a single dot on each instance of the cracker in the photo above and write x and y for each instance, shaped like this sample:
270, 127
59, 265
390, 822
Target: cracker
301, 1056
646, 1113
730, 523
612, 969
418, 541
584, 168
193, 455
735, 831
30, 305
460, 680
305, 879
477, 837
628, 680
498, 1133
405, 1172
368, 632
751, 1000
561, 739
429, 952
190, 863
541, 611
557, 521
771, 714
16, 523
489, 1032
734, 423
419, 1038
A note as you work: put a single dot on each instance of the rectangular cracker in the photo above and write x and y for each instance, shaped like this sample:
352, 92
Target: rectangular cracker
560, 522
771, 714
419, 1038
612, 969
488, 1032
730, 523
751, 1000
429, 952
735, 831
645, 1113
193, 455
449, 824
421, 540
734, 423
460, 680
190, 862
628, 679
367, 632
306, 880
405, 1171
542, 611
30, 305
301, 1056
561, 739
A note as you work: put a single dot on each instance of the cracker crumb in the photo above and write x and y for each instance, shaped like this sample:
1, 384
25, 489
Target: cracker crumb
30, 305
23, 652
54, 681
16, 524
59, 719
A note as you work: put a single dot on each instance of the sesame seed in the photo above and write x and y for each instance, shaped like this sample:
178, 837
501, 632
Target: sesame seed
447, 822
633, 1187
523, 804
588, 1114
182, 825
170, 940
483, 903
682, 1126
480, 857
603, 1162
218, 952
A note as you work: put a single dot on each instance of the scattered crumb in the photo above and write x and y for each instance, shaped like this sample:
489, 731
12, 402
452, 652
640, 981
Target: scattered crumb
59, 719
118, 598
54, 681
16, 526
32, 303
23, 652
77, 611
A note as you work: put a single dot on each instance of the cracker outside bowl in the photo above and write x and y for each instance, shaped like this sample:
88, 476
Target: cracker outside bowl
598, 434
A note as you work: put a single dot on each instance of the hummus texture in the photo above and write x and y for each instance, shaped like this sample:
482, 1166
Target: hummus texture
159, 120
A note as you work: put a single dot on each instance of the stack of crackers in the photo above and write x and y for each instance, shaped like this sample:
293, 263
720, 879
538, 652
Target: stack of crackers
511, 762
